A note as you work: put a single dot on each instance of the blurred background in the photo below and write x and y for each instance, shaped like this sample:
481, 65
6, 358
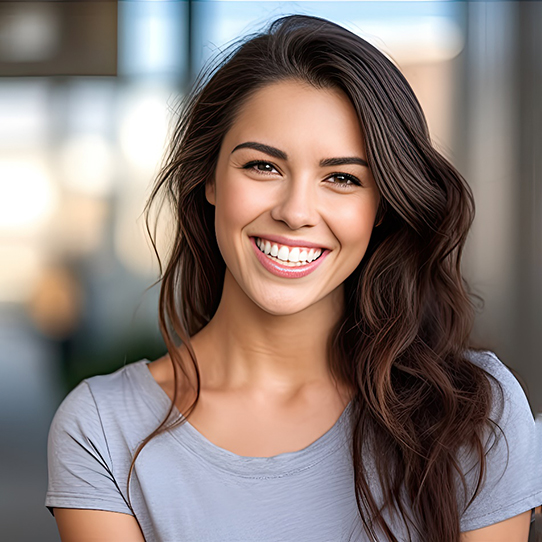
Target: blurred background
87, 96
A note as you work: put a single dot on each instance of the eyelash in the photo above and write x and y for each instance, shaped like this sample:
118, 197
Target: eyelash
343, 186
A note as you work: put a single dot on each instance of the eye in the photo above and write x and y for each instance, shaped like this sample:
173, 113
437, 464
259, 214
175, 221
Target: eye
252, 165
345, 180
348, 181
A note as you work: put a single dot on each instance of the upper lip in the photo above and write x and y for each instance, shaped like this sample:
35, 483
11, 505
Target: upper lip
290, 242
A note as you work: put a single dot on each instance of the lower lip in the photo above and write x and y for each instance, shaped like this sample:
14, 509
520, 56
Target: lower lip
286, 271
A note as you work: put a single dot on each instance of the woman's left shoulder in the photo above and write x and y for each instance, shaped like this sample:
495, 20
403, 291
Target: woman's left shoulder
489, 361
513, 474
514, 400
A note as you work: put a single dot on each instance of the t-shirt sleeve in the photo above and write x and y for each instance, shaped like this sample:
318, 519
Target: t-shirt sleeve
513, 482
80, 469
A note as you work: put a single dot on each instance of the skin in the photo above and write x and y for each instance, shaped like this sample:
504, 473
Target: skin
262, 357
271, 331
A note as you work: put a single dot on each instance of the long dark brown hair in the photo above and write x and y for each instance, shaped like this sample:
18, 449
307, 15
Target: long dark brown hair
404, 337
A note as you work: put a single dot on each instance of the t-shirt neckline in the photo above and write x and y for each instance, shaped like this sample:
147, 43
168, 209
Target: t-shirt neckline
285, 463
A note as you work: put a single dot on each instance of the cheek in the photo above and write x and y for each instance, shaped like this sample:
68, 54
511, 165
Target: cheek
238, 204
353, 227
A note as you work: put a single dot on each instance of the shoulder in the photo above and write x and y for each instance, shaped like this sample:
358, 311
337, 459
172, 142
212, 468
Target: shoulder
104, 404
489, 361
76, 412
509, 394
89, 443
101, 387
512, 481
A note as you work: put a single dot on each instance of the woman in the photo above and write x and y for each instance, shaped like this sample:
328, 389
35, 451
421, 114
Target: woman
323, 387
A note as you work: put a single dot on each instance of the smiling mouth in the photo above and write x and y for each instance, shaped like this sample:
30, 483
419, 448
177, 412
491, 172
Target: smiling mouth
286, 255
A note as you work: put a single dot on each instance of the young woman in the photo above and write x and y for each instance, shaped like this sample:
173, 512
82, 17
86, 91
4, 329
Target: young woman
319, 383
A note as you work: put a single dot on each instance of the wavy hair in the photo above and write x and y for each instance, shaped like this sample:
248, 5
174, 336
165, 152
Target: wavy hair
403, 340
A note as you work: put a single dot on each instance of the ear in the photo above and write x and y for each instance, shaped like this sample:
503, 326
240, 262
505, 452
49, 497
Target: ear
380, 214
210, 191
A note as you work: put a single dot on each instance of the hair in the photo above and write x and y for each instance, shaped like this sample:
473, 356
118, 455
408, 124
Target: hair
404, 337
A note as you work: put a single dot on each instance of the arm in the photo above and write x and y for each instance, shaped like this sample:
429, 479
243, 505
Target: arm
514, 529
512, 487
75, 525
83, 491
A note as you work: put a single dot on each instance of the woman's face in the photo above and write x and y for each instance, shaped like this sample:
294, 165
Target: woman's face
293, 204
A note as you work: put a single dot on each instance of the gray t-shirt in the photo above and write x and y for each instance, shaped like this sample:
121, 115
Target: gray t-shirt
186, 488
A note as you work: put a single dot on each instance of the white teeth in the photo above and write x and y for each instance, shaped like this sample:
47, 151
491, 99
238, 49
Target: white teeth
295, 255
283, 253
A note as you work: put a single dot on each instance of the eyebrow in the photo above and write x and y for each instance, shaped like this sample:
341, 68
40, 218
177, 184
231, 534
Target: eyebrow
281, 155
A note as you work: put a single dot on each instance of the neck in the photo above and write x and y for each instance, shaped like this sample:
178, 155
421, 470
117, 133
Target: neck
246, 348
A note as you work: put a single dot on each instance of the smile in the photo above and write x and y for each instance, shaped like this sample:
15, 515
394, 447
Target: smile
285, 261
295, 255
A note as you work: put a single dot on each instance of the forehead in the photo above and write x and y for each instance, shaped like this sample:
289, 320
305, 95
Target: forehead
290, 111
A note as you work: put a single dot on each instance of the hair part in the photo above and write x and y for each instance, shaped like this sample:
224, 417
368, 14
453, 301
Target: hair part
402, 343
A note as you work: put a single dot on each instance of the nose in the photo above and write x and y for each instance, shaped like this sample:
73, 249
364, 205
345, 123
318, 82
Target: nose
296, 203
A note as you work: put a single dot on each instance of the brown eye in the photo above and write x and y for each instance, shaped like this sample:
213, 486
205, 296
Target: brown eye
345, 180
253, 166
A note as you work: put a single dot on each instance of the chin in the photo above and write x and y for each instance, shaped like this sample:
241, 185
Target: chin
283, 305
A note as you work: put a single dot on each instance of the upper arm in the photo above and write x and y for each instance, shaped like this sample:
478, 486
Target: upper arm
514, 529
512, 481
81, 474
76, 525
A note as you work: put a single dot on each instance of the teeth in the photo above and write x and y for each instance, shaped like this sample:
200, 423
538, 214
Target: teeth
283, 254
296, 255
